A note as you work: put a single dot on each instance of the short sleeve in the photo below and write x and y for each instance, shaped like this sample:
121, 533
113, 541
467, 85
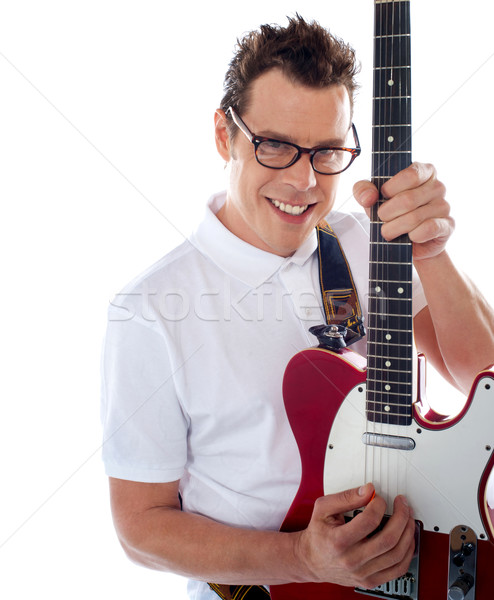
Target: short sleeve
145, 428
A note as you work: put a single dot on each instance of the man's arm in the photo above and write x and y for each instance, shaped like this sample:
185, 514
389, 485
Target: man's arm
456, 330
155, 533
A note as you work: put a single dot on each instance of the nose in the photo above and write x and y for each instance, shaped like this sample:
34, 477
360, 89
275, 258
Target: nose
300, 175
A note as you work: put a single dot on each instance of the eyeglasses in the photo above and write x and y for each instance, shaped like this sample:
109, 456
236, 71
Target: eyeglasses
274, 154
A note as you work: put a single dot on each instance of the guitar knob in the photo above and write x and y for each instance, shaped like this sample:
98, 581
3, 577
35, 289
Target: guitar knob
460, 587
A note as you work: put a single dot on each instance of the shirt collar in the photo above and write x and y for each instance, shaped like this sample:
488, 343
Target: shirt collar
237, 258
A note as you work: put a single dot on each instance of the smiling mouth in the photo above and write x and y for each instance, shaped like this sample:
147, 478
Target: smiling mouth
288, 208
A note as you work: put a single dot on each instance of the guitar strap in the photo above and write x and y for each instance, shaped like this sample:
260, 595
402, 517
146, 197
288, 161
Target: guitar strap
339, 294
342, 308
240, 592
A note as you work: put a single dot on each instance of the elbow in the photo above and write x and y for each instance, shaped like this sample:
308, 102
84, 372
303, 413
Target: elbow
139, 550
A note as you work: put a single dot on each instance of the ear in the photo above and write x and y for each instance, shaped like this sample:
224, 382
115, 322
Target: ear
221, 135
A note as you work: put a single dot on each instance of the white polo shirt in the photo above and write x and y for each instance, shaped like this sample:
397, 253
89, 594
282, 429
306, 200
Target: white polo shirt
193, 365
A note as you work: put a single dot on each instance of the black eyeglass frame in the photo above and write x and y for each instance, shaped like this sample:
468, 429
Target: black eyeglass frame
257, 140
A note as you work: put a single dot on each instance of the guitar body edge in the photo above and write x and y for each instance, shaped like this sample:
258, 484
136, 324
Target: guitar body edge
313, 412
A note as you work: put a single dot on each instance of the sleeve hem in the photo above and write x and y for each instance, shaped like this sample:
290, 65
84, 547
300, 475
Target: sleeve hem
129, 473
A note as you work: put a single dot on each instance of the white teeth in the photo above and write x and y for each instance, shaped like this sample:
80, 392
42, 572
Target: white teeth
288, 208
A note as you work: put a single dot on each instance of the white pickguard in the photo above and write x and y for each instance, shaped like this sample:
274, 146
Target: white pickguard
440, 477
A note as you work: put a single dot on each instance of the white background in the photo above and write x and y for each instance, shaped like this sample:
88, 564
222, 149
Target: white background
107, 157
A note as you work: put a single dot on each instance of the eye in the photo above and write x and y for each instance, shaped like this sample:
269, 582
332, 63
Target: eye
272, 150
327, 153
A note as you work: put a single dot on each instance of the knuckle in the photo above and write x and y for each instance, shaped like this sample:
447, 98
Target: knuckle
409, 201
438, 188
339, 546
372, 581
387, 541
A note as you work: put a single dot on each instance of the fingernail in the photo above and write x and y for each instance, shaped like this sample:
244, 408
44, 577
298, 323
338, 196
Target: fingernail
366, 198
362, 491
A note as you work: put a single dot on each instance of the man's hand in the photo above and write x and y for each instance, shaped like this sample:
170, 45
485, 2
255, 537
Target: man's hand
336, 551
415, 205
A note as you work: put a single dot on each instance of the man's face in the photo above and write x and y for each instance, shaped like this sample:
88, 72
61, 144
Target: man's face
289, 112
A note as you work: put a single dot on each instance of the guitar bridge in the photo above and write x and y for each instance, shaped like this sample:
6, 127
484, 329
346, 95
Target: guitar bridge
404, 588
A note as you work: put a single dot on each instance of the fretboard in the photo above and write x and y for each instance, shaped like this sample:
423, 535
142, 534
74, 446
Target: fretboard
389, 326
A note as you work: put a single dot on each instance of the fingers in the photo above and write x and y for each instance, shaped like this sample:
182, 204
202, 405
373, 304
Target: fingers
332, 506
353, 553
365, 193
415, 205
391, 549
414, 176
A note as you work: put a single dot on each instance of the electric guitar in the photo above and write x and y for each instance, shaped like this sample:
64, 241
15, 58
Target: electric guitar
357, 421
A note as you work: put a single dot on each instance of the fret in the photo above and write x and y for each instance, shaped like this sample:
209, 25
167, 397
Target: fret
388, 315
382, 361
378, 336
391, 67
380, 298
385, 378
391, 243
386, 152
389, 262
396, 35
387, 281
397, 274
395, 330
385, 419
382, 255
385, 411
396, 371
387, 97
392, 17
380, 392
379, 363
399, 407
382, 418
391, 164
394, 321
387, 344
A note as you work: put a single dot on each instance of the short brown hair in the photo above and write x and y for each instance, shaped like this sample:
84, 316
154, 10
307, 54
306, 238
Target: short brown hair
307, 53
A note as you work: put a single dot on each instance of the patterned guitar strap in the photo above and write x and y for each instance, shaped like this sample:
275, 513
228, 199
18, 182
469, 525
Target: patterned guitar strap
342, 310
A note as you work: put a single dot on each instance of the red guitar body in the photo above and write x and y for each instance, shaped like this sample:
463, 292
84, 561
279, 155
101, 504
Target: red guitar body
317, 386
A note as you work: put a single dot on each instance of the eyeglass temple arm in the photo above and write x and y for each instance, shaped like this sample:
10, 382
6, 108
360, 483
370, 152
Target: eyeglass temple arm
240, 124
355, 135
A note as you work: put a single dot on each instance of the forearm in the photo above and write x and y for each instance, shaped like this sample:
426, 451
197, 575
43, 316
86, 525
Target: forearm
193, 546
463, 320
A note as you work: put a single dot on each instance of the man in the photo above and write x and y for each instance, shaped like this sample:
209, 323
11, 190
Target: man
202, 461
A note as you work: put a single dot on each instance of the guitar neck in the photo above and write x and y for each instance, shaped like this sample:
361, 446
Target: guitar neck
390, 345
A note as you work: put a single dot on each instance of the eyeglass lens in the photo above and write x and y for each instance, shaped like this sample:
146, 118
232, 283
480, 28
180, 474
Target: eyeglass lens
279, 155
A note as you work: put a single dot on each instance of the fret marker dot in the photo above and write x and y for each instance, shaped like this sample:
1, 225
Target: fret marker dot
391, 82
391, 139
388, 363
387, 408
388, 336
378, 289
400, 290
387, 387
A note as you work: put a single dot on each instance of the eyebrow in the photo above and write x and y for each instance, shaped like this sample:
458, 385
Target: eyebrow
338, 142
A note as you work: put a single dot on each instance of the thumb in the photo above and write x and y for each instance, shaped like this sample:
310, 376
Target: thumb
365, 194
333, 505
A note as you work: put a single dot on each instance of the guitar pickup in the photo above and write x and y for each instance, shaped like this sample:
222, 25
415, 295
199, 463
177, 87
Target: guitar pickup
394, 442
